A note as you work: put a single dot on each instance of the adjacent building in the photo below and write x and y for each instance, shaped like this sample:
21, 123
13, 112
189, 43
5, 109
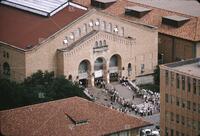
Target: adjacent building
73, 116
70, 39
180, 94
178, 23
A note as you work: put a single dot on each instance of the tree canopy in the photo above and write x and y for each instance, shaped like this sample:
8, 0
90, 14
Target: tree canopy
39, 87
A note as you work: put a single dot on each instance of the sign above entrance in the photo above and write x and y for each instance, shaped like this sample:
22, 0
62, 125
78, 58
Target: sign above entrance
98, 73
113, 69
100, 48
83, 75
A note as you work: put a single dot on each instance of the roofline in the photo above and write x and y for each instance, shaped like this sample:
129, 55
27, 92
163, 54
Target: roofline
36, 104
170, 68
50, 37
12, 46
93, 10
178, 37
129, 21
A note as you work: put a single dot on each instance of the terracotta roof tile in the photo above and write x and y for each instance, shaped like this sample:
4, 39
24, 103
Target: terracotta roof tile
50, 119
190, 30
21, 29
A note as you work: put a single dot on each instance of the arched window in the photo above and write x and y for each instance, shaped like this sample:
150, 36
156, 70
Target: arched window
97, 23
85, 28
6, 69
115, 29
104, 42
78, 32
100, 43
96, 44
109, 29
66, 41
103, 25
129, 69
70, 77
122, 31
91, 23
72, 37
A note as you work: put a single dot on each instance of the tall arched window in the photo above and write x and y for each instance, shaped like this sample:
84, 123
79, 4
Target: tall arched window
72, 37
91, 23
104, 42
97, 24
115, 29
100, 43
109, 29
70, 77
103, 25
129, 69
96, 44
122, 31
78, 32
6, 69
85, 28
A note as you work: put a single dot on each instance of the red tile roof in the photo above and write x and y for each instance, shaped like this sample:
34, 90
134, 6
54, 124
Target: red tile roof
21, 29
190, 30
51, 119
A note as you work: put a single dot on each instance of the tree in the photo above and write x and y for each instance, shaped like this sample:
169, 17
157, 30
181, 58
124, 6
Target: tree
157, 75
39, 87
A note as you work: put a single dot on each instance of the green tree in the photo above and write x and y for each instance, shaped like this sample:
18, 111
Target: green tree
39, 87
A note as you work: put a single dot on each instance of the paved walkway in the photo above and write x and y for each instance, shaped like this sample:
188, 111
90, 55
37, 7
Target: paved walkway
102, 97
126, 93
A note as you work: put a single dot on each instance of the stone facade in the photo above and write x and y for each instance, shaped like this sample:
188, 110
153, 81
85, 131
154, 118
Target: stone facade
63, 52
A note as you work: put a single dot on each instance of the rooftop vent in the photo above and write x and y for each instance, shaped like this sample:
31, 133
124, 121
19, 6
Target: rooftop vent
175, 21
136, 11
103, 4
77, 121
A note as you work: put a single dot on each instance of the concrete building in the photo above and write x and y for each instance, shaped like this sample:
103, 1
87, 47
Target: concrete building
82, 44
178, 23
180, 94
69, 117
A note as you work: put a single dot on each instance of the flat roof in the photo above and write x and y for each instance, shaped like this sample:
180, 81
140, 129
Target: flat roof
176, 18
190, 67
72, 116
41, 7
24, 29
137, 8
188, 7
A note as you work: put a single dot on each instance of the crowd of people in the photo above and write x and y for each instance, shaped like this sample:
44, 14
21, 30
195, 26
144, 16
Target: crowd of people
150, 105
151, 100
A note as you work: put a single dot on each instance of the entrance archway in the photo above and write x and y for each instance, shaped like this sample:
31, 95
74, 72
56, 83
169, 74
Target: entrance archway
99, 71
6, 69
129, 69
115, 67
84, 71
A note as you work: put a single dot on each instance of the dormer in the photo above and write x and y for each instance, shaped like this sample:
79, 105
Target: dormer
136, 11
174, 20
102, 4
